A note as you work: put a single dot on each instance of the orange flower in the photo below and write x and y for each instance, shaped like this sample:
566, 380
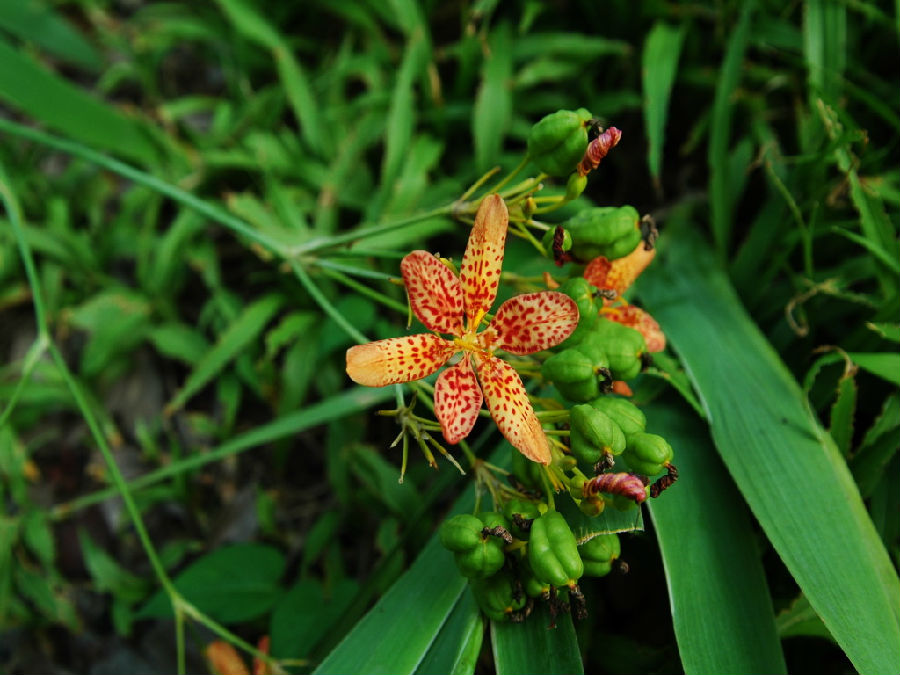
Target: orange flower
618, 275
523, 324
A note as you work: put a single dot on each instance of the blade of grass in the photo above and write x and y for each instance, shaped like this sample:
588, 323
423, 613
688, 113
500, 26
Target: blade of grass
721, 609
493, 103
38, 23
825, 47
786, 466
48, 98
245, 330
662, 48
531, 647
297, 87
456, 648
720, 131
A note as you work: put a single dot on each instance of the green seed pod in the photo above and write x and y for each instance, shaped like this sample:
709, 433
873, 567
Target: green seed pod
604, 231
599, 553
553, 551
594, 434
530, 584
623, 412
526, 510
582, 292
621, 247
568, 366
647, 454
556, 144
496, 596
593, 346
586, 326
579, 392
462, 532
493, 519
483, 560
575, 186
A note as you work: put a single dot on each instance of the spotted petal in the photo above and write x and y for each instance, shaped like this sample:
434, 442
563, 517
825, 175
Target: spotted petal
619, 274
508, 404
434, 292
530, 322
480, 270
457, 400
401, 359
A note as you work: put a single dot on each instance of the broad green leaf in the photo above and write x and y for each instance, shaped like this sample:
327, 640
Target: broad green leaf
721, 610
231, 584
108, 574
885, 365
532, 647
720, 130
178, 341
381, 478
245, 330
493, 102
785, 465
36, 21
456, 648
38, 536
44, 593
46, 97
419, 603
305, 613
659, 62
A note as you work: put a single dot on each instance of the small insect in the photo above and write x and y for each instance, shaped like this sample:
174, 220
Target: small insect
499, 531
626, 484
664, 482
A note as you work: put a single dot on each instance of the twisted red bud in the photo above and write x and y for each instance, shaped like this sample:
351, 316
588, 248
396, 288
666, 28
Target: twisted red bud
597, 150
625, 484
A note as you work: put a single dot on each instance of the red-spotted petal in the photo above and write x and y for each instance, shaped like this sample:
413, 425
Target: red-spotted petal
508, 404
457, 400
619, 274
530, 322
637, 318
401, 359
480, 270
434, 292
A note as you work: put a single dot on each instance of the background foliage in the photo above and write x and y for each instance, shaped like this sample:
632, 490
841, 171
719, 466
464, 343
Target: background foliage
179, 442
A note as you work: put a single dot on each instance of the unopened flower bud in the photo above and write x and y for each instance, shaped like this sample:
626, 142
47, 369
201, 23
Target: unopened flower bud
597, 149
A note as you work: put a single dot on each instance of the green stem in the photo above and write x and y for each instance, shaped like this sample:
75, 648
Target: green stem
32, 358
362, 289
512, 174
325, 304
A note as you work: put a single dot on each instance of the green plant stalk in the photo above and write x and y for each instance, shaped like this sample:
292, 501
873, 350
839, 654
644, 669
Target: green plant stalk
32, 357
362, 289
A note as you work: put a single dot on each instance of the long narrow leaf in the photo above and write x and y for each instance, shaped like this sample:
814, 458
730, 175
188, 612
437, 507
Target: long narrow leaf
659, 63
723, 617
786, 466
455, 649
48, 98
520, 649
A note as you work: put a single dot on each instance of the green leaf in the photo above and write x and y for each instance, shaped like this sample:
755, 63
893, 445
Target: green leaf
493, 102
231, 584
885, 365
117, 321
420, 602
38, 536
800, 619
306, 613
878, 447
842, 411
825, 47
530, 647
785, 465
720, 130
721, 609
46, 97
108, 574
456, 647
662, 49
296, 84
889, 331
381, 478
244, 331
178, 341
35, 21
